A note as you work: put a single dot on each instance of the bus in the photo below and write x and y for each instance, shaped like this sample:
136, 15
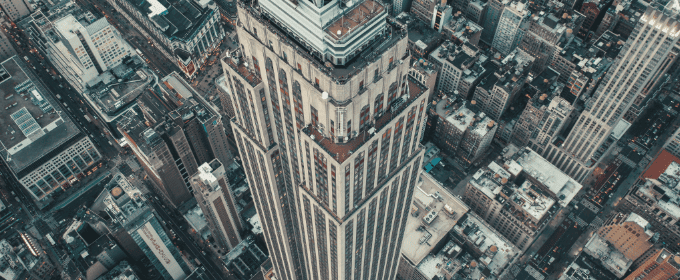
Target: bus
139, 52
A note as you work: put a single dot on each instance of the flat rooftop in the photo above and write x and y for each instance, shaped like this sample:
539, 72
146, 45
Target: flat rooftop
612, 259
354, 19
421, 234
563, 186
664, 191
31, 123
586, 267
498, 252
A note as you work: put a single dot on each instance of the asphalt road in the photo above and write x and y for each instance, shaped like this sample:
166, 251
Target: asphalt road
212, 270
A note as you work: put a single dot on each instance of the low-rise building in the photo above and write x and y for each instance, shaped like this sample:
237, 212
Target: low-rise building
520, 196
495, 92
460, 68
434, 212
41, 145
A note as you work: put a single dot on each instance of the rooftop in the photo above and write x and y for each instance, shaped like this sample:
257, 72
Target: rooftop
585, 267
179, 19
338, 73
559, 183
115, 90
123, 201
498, 252
665, 190
433, 214
197, 221
612, 259
32, 124
239, 66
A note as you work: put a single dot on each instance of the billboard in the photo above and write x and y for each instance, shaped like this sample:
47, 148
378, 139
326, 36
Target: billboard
162, 253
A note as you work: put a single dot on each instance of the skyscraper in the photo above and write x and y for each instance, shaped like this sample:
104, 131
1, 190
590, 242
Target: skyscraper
329, 141
217, 202
646, 56
509, 32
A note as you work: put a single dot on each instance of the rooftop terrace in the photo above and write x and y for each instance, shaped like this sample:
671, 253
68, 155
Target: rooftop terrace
354, 19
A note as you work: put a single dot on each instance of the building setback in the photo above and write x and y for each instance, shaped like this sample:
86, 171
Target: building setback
330, 147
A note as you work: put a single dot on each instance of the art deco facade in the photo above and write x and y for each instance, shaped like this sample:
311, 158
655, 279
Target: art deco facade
331, 150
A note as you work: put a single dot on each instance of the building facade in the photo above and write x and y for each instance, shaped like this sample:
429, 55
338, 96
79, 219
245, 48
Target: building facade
331, 150
16, 9
509, 31
212, 192
619, 90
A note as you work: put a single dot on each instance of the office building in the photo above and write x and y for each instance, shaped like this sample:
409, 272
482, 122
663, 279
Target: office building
128, 209
16, 9
511, 27
672, 145
619, 91
545, 114
186, 32
460, 68
546, 34
495, 92
42, 146
80, 46
115, 91
629, 234
424, 9
463, 130
520, 196
651, 199
663, 265
621, 241
245, 259
463, 29
494, 9
212, 192
171, 144
7, 50
330, 147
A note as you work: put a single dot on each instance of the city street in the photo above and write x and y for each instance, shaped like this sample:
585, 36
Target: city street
213, 270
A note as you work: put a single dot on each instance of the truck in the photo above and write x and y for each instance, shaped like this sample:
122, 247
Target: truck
58, 96
139, 52
26, 58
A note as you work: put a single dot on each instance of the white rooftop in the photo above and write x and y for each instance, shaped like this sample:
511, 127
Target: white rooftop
563, 186
429, 194
534, 203
461, 118
665, 191
197, 220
